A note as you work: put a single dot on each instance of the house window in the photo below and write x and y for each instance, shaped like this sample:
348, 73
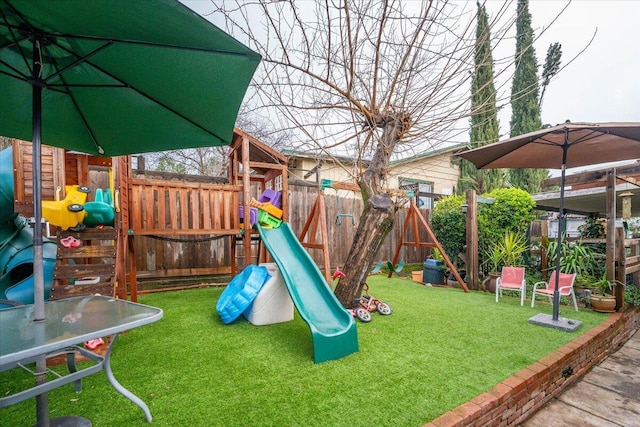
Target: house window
278, 183
422, 191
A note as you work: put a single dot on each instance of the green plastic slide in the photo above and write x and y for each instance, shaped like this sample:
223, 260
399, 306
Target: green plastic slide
333, 329
16, 245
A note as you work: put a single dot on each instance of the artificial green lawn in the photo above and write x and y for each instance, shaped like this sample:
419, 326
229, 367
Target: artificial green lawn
440, 348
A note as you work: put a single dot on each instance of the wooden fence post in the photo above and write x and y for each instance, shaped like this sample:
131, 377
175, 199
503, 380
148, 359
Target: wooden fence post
472, 239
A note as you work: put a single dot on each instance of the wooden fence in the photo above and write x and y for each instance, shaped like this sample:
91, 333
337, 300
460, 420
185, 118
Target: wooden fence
343, 214
187, 229
182, 228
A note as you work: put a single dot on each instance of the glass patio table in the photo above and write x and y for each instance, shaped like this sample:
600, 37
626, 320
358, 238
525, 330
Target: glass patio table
68, 323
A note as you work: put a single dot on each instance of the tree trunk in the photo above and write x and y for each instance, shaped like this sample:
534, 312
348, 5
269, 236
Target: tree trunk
375, 223
379, 211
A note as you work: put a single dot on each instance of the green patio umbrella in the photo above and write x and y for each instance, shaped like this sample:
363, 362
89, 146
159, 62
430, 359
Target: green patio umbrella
112, 77
120, 77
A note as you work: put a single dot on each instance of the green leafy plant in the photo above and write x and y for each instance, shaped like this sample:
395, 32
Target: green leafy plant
511, 211
603, 287
448, 224
592, 228
576, 257
513, 246
507, 251
494, 259
435, 254
632, 295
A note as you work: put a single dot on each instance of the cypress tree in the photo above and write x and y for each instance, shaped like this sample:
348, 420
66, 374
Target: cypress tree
525, 109
484, 115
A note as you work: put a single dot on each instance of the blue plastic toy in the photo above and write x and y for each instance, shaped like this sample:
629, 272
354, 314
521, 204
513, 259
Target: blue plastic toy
240, 292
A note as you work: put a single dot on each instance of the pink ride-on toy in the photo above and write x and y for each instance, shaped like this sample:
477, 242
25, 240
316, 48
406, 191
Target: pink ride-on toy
366, 304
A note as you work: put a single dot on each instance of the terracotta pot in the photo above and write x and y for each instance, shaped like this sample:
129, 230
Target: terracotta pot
489, 284
603, 304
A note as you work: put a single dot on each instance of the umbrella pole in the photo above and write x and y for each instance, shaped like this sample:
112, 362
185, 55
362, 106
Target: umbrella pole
42, 403
543, 319
561, 230
38, 264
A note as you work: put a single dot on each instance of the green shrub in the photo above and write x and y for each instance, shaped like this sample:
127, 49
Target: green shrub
511, 211
448, 224
632, 295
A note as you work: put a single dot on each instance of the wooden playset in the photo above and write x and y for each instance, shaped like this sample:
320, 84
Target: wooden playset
104, 261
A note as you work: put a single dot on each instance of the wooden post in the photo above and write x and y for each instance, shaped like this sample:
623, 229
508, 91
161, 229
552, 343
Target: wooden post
125, 252
544, 244
472, 239
133, 279
317, 221
611, 224
246, 198
621, 268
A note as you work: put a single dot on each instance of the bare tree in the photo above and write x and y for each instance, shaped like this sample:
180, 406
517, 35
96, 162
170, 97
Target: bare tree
4, 142
206, 161
371, 79
213, 161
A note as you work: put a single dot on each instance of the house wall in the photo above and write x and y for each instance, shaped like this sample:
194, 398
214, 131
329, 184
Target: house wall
438, 169
328, 170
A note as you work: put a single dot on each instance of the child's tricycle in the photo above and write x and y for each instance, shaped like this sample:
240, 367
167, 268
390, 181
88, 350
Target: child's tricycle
366, 304
363, 306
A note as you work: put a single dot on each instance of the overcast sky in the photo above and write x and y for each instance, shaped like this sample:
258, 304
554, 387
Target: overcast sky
602, 83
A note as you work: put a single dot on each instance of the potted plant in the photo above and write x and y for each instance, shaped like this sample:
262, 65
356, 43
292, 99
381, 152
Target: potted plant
506, 252
494, 260
513, 248
602, 299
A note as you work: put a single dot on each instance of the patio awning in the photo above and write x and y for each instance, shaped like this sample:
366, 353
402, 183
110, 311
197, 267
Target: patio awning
588, 200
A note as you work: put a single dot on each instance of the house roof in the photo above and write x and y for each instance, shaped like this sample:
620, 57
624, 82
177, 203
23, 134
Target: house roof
319, 156
590, 192
588, 200
433, 153
345, 159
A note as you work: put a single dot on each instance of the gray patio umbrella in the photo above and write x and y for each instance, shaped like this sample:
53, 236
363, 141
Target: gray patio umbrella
112, 77
559, 147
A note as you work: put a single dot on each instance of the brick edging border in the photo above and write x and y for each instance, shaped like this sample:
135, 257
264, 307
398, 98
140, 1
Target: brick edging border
520, 396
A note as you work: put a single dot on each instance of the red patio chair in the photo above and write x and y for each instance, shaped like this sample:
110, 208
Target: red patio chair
512, 279
565, 286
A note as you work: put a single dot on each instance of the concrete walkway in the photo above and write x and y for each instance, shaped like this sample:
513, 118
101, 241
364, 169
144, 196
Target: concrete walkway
609, 395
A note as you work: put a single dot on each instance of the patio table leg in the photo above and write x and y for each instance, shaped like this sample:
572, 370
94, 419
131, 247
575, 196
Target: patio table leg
126, 393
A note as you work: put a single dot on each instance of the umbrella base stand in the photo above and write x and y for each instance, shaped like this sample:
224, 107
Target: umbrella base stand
562, 323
